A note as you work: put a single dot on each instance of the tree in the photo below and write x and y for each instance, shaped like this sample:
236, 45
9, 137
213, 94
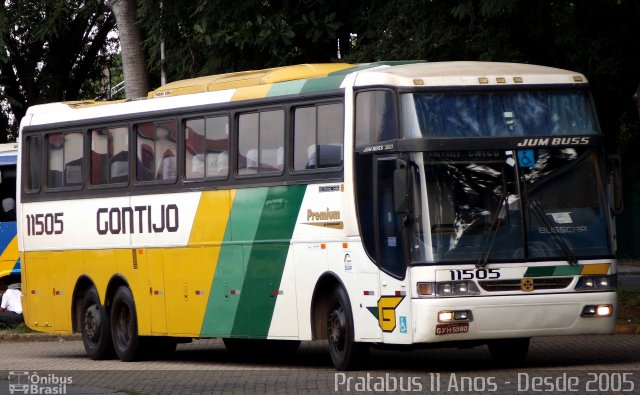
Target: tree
212, 36
49, 49
133, 57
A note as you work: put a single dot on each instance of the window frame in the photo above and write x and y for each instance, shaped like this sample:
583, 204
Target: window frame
27, 173
88, 147
236, 142
133, 166
292, 136
45, 154
183, 146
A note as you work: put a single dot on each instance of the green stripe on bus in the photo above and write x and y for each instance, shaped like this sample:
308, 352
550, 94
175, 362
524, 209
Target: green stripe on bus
266, 262
567, 270
322, 84
540, 271
226, 289
551, 271
286, 88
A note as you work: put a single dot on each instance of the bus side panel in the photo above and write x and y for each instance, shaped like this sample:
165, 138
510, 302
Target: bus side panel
266, 263
188, 273
65, 268
261, 222
311, 263
155, 316
37, 292
223, 306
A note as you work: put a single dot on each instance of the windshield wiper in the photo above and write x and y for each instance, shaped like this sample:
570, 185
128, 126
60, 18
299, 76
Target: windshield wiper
536, 209
491, 237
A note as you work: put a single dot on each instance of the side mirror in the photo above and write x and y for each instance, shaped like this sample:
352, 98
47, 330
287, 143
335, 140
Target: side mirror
615, 180
401, 189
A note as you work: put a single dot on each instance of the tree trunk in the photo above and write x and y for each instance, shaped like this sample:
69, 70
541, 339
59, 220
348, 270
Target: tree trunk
133, 60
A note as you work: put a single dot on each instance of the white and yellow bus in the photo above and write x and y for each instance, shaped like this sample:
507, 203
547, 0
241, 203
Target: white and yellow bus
404, 204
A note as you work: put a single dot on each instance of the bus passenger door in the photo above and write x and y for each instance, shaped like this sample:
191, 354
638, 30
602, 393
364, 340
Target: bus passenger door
394, 307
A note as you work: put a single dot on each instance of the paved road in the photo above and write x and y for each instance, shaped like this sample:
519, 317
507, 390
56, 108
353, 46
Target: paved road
604, 364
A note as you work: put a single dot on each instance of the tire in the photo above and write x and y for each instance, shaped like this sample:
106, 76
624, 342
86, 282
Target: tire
94, 326
509, 351
346, 353
124, 326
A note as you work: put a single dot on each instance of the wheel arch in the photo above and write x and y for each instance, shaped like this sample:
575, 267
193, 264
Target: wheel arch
320, 303
83, 284
116, 281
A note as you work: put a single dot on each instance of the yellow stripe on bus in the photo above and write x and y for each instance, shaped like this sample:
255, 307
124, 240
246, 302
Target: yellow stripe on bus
11, 252
251, 92
600, 268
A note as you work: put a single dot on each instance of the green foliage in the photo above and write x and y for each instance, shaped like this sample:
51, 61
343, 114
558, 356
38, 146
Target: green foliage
49, 49
212, 36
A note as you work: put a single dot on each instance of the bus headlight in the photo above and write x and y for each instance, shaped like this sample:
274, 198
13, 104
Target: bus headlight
456, 288
602, 310
596, 283
455, 316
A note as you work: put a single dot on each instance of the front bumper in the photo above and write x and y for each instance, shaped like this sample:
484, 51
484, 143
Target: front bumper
515, 316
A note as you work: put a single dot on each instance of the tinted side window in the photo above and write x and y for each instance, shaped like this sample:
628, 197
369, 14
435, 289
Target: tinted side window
109, 156
156, 151
65, 160
375, 117
34, 155
207, 147
261, 142
318, 134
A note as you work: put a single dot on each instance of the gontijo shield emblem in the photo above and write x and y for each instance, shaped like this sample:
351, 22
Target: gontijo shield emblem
526, 284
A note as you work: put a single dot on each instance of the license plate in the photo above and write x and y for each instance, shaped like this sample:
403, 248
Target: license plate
450, 329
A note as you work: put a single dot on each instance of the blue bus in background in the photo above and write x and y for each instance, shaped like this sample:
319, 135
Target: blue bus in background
9, 256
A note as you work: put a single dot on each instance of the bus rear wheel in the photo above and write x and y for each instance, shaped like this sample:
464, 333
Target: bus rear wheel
94, 326
346, 353
124, 326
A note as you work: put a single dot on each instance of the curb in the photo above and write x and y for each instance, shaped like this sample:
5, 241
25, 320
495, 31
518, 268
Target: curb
627, 329
37, 337
52, 337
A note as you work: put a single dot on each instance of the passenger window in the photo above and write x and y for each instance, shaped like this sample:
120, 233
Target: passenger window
33, 165
207, 147
375, 117
318, 134
65, 160
261, 142
110, 156
156, 151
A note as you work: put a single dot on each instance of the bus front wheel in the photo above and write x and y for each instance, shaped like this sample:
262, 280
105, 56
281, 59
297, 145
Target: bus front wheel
346, 353
124, 325
94, 324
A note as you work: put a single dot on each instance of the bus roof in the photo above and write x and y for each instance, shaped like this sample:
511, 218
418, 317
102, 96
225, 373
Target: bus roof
444, 74
301, 79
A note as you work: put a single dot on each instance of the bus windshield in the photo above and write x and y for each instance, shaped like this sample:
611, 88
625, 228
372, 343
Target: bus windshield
498, 206
498, 113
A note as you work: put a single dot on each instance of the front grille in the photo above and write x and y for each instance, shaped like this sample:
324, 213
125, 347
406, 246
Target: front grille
539, 283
